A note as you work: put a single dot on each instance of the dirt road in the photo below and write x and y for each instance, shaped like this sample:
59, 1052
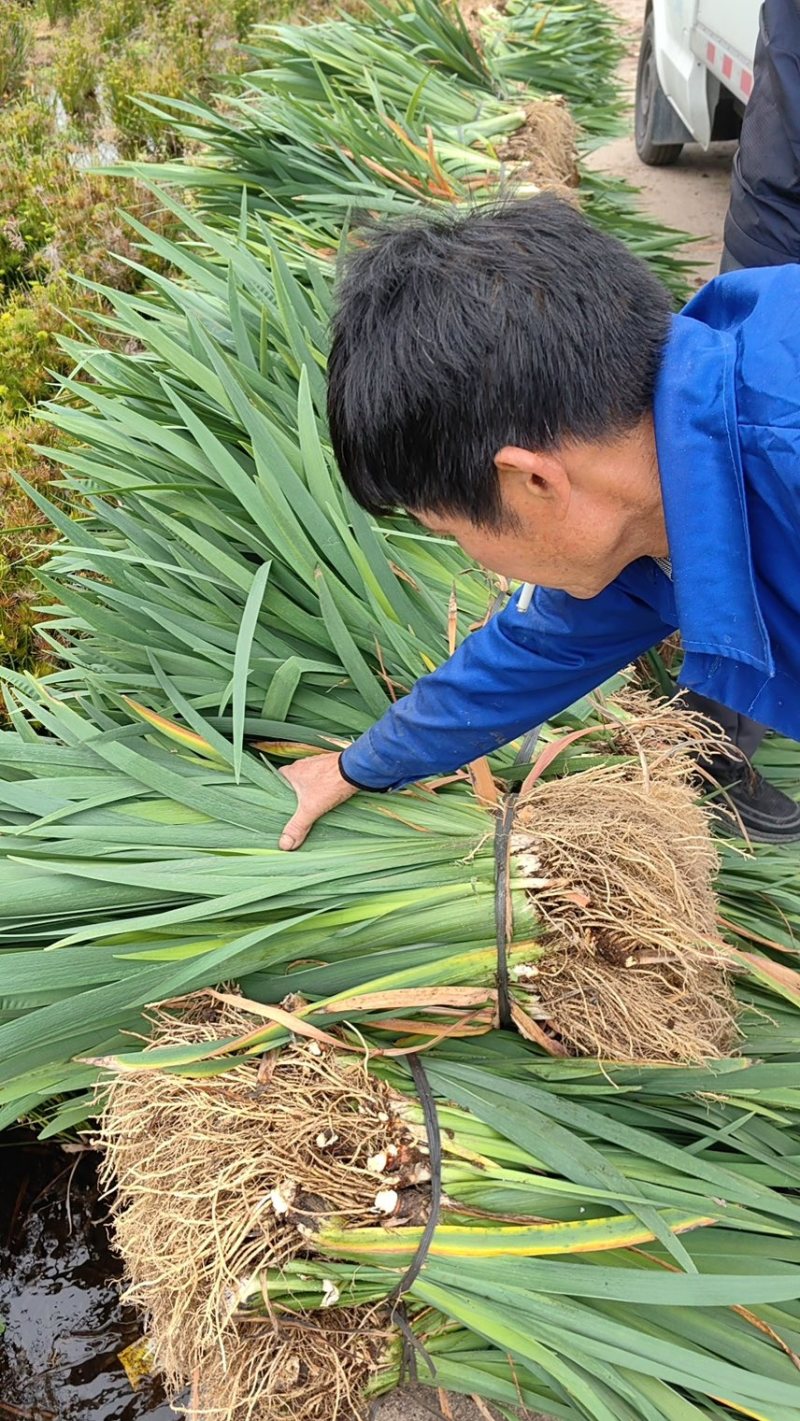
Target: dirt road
693, 195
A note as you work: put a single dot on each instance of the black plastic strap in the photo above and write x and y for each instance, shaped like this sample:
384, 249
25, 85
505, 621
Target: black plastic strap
412, 1344
502, 885
431, 1120
528, 747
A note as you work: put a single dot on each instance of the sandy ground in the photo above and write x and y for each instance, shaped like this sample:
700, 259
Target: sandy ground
692, 196
421, 1403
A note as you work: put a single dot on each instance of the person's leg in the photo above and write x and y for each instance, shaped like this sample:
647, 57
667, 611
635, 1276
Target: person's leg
729, 263
768, 815
745, 733
763, 226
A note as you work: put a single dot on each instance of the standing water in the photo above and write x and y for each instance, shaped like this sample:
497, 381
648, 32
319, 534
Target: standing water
63, 1327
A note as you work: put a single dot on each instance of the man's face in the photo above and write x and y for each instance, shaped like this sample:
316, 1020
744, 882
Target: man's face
557, 531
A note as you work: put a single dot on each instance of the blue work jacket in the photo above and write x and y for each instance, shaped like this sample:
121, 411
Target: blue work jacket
727, 421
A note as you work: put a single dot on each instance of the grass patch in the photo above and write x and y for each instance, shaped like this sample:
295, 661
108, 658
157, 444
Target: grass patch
70, 71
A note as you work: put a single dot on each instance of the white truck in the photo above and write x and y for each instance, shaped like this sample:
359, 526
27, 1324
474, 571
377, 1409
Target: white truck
695, 74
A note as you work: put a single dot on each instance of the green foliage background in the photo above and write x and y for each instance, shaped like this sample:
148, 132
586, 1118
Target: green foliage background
69, 74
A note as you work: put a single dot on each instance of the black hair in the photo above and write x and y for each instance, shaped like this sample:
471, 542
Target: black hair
454, 336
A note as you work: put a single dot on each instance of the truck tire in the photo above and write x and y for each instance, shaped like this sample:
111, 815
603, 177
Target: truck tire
649, 94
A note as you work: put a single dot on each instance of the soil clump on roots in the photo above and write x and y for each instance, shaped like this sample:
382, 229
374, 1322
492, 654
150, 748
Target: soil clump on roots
544, 149
215, 1180
622, 866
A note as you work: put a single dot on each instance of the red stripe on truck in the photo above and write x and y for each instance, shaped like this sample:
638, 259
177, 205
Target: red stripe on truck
711, 52
747, 82
727, 66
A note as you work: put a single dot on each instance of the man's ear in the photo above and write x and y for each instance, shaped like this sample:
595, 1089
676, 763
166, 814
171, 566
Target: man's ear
525, 474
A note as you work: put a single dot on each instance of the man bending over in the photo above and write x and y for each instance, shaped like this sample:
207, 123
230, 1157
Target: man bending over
514, 379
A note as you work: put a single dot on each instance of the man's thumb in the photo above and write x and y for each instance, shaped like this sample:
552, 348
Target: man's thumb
295, 832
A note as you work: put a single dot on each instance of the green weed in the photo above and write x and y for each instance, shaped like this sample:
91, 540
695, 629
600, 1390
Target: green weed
76, 70
61, 9
117, 19
16, 41
24, 535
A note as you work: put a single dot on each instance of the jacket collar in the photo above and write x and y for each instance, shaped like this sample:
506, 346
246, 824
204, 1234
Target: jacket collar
704, 496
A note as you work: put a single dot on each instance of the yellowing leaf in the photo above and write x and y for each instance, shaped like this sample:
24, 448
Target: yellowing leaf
179, 733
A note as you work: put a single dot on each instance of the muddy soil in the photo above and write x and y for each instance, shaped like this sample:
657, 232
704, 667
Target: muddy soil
59, 1304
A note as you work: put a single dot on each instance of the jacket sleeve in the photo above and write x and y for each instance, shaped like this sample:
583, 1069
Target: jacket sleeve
513, 674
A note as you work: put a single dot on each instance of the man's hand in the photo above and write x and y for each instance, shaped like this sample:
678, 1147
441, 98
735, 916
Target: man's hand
319, 786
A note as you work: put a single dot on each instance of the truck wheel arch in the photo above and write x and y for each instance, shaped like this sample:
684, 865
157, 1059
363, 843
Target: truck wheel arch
689, 91
659, 132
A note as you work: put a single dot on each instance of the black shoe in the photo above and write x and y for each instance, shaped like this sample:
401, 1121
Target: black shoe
746, 798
